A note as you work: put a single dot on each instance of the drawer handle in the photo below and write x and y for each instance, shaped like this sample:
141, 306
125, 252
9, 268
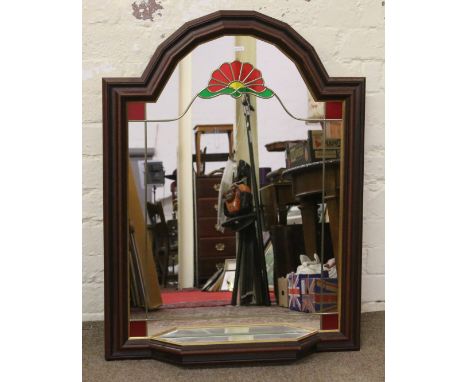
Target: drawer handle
220, 247
215, 206
216, 187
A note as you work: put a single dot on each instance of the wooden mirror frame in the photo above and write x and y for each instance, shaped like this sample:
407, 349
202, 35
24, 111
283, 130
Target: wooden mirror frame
118, 91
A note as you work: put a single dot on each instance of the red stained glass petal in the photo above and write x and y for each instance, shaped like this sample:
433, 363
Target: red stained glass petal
250, 77
333, 110
137, 329
236, 67
257, 88
329, 322
255, 82
246, 69
214, 86
253, 76
226, 69
218, 76
216, 82
136, 111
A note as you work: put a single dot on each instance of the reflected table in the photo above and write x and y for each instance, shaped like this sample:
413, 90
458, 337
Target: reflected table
309, 181
276, 198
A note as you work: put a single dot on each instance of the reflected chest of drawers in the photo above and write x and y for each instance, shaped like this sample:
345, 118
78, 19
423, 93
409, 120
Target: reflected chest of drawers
213, 247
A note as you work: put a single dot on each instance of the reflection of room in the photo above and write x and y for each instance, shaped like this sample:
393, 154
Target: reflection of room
182, 186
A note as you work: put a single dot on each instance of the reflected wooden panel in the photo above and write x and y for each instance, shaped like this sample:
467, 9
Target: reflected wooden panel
142, 246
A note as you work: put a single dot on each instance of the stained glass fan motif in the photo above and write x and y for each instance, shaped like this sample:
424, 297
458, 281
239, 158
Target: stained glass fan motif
235, 79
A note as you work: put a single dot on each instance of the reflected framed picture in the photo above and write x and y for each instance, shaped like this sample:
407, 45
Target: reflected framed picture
229, 275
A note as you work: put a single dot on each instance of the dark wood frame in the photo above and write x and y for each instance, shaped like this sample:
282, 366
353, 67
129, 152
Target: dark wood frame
118, 91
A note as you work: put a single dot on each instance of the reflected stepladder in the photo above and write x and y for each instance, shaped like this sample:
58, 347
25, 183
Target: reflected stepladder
234, 200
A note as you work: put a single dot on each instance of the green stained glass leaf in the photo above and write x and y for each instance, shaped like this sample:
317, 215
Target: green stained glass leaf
205, 93
267, 93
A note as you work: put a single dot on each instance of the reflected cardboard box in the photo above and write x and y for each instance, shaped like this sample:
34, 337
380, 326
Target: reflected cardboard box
283, 292
312, 293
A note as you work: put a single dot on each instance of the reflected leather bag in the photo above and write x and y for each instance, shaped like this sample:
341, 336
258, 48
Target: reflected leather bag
237, 200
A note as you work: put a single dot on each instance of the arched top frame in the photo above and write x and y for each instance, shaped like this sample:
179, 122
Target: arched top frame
118, 91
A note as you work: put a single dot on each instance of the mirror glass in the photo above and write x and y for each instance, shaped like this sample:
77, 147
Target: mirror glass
234, 200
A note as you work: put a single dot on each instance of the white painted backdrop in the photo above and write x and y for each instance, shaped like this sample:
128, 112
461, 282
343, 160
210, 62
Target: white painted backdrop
349, 38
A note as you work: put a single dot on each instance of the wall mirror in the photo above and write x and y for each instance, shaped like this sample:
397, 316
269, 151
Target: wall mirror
233, 198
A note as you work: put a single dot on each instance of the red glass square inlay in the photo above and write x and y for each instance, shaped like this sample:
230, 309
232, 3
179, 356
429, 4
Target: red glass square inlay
136, 111
137, 329
333, 110
329, 321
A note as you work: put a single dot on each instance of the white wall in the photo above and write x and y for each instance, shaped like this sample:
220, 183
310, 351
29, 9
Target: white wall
165, 134
349, 38
280, 75
219, 110
162, 137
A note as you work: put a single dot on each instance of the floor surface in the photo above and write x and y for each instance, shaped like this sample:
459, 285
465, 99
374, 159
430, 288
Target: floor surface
163, 319
364, 365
